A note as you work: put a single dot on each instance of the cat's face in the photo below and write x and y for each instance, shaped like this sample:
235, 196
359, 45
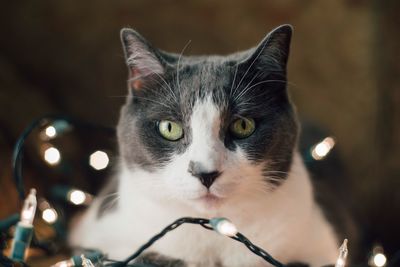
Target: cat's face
202, 130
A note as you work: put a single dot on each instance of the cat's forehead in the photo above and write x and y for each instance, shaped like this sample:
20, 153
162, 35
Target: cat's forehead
199, 79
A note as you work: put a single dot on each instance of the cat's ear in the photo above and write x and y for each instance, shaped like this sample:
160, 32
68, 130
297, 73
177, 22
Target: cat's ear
273, 51
142, 59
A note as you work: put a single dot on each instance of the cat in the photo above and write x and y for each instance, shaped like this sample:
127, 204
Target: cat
208, 136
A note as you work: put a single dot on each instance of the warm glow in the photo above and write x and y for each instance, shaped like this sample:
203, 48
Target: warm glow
225, 227
29, 208
51, 131
52, 156
99, 160
49, 215
343, 251
320, 150
379, 259
77, 197
340, 263
66, 263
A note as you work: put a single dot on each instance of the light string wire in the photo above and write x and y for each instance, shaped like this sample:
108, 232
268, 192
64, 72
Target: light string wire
17, 159
206, 224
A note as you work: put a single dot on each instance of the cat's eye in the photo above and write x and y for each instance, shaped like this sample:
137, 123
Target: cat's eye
242, 128
170, 130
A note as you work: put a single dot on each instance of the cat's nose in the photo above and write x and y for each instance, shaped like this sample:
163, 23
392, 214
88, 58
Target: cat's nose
206, 178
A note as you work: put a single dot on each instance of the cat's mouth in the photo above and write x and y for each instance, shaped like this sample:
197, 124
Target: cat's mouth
210, 199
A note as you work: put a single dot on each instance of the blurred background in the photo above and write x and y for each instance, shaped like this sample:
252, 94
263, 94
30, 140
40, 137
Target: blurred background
64, 57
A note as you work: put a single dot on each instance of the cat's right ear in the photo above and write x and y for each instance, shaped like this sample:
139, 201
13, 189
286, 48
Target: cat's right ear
142, 59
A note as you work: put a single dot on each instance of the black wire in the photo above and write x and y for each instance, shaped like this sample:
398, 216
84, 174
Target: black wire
167, 229
204, 223
257, 250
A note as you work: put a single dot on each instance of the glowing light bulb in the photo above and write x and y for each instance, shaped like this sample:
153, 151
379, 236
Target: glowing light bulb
322, 149
77, 197
29, 208
343, 251
52, 155
99, 160
50, 215
51, 131
86, 262
224, 226
24, 229
379, 259
66, 263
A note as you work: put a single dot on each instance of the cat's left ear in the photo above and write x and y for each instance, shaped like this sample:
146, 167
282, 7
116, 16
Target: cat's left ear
142, 59
273, 51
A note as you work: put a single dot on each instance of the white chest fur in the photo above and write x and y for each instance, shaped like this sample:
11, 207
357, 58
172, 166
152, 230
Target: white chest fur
287, 223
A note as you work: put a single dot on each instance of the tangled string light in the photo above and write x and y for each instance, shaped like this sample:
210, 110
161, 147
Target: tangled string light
223, 226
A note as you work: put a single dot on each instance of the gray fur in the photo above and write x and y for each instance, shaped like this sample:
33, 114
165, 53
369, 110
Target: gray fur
250, 83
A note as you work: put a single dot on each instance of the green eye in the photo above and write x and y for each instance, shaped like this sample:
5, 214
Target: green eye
242, 128
170, 130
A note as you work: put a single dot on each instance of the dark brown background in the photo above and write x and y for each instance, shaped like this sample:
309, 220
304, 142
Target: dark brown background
65, 57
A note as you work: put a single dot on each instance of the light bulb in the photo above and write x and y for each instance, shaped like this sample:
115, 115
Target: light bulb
51, 131
379, 259
322, 149
29, 208
52, 156
343, 251
50, 215
223, 226
99, 160
86, 262
66, 263
24, 229
77, 197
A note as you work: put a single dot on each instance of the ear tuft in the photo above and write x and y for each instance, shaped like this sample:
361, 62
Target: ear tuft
279, 42
273, 51
141, 58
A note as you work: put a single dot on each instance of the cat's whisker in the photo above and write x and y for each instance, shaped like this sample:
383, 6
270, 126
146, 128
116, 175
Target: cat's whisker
154, 101
256, 84
252, 79
234, 79
177, 65
168, 86
110, 204
252, 63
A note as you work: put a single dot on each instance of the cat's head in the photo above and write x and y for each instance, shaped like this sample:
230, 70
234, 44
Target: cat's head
205, 129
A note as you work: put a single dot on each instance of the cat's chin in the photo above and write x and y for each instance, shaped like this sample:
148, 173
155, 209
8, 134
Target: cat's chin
208, 202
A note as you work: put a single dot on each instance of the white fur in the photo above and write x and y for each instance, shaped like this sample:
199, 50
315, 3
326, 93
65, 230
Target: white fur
285, 221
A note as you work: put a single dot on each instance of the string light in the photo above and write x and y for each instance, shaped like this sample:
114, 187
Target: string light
78, 197
319, 151
49, 214
52, 156
85, 260
322, 149
24, 229
219, 225
343, 251
99, 160
223, 226
378, 258
51, 132
29, 208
